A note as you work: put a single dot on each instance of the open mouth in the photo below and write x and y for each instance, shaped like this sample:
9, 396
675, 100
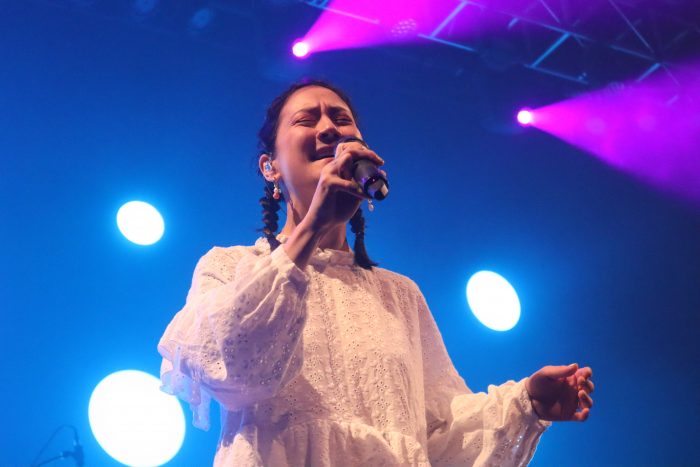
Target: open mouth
324, 154
321, 156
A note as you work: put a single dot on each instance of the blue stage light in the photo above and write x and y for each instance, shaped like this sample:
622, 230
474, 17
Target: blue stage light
134, 421
493, 301
140, 223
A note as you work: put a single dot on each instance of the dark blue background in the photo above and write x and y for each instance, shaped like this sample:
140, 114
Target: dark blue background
99, 109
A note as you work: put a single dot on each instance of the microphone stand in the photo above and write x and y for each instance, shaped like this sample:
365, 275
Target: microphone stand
76, 453
63, 455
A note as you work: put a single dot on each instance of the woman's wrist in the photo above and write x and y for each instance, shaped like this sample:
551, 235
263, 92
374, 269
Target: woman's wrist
533, 403
302, 243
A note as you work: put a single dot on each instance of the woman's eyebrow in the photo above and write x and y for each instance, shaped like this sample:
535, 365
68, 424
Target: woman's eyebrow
316, 110
336, 109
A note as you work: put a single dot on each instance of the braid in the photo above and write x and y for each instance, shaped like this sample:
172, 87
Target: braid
270, 207
357, 225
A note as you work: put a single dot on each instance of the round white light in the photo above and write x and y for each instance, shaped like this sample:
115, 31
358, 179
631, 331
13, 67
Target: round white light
134, 421
525, 117
493, 301
300, 49
140, 223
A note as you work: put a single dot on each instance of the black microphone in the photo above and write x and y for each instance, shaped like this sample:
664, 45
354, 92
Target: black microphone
77, 452
367, 174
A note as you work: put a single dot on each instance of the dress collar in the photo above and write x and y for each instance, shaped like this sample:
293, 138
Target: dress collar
320, 256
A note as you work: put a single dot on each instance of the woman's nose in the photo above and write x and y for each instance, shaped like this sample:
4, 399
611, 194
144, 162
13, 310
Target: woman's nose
329, 133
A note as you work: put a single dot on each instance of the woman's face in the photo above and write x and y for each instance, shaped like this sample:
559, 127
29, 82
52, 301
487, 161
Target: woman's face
310, 123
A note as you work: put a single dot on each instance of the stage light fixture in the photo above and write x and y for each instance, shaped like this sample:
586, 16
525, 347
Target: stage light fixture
493, 300
300, 49
140, 223
134, 421
525, 117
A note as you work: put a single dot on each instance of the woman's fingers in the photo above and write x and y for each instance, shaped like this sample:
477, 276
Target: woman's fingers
586, 384
586, 401
343, 165
559, 371
348, 153
348, 186
337, 175
361, 152
358, 147
583, 380
581, 416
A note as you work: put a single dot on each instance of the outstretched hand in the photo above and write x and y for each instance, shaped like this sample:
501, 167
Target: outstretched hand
561, 393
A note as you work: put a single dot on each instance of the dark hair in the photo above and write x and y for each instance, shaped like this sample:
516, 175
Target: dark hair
266, 145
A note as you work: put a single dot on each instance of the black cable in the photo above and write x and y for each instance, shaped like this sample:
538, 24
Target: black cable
53, 435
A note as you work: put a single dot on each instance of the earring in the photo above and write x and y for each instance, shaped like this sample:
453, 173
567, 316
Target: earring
370, 206
276, 191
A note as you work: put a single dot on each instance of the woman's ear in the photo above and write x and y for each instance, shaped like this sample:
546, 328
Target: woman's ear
267, 167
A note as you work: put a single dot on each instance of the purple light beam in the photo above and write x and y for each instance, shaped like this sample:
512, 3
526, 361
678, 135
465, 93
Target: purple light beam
650, 130
346, 24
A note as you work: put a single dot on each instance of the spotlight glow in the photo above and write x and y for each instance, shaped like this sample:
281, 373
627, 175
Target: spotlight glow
525, 117
493, 301
202, 18
134, 421
648, 129
140, 223
300, 49
347, 24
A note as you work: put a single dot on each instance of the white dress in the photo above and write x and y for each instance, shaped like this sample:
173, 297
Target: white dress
331, 365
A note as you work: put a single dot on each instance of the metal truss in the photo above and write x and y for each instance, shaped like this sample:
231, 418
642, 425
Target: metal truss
592, 42
588, 42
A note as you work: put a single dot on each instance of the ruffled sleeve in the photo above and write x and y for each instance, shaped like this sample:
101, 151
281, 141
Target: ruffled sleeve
499, 427
236, 339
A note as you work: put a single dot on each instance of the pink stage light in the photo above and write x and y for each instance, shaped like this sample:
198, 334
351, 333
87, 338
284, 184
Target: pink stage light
301, 49
650, 130
347, 24
525, 117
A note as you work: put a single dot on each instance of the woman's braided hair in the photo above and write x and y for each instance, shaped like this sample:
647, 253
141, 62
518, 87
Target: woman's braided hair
266, 144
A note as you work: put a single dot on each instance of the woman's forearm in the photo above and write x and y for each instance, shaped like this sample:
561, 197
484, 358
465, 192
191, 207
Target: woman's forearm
302, 243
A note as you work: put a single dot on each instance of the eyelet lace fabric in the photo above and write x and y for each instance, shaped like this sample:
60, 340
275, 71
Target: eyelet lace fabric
331, 365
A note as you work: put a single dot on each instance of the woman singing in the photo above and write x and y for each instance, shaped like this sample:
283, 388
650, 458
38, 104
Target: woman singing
319, 357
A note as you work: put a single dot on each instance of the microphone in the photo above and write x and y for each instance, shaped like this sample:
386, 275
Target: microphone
367, 174
77, 452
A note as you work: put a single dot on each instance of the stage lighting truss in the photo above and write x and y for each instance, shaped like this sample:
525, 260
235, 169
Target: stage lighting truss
592, 43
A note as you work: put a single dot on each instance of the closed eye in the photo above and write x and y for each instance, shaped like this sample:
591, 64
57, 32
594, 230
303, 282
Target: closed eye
306, 122
311, 121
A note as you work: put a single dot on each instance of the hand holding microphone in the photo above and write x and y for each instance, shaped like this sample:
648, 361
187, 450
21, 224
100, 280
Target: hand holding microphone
365, 172
351, 177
